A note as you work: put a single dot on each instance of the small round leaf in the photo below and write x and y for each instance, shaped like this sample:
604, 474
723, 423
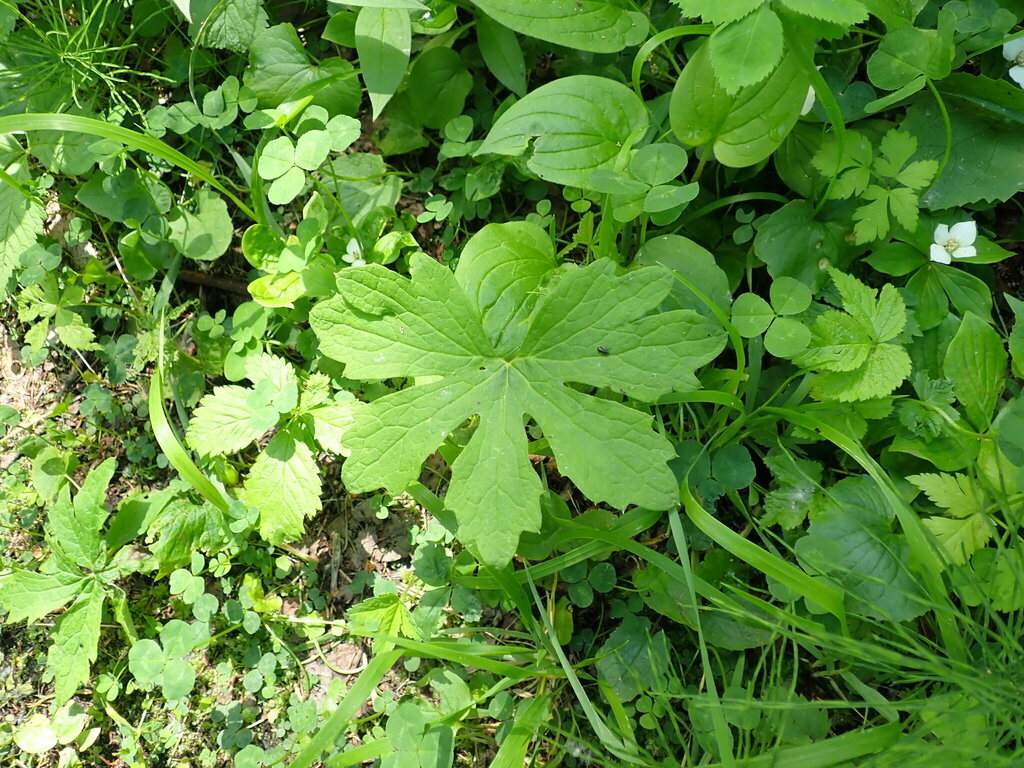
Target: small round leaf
312, 149
285, 188
789, 296
787, 338
658, 163
278, 156
751, 315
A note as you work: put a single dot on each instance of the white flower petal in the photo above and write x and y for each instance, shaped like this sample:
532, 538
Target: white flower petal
1013, 49
965, 252
941, 234
939, 254
1017, 73
965, 233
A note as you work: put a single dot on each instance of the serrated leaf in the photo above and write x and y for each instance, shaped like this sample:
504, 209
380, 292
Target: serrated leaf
956, 493
886, 367
850, 347
578, 124
839, 342
21, 220
598, 26
745, 127
73, 527
183, 528
332, 421
746, 51
960, 537
73, 332
279, 375
718, 11
797, 493
383, 42
500, 363
223, 422
76, 636
385, 614
30, 596
284, 484
844, 12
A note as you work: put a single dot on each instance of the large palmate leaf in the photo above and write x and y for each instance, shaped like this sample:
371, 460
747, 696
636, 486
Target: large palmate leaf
600, 26
581, 124
505, 334
744, 126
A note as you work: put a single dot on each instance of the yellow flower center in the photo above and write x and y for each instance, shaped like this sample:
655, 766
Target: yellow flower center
951, 245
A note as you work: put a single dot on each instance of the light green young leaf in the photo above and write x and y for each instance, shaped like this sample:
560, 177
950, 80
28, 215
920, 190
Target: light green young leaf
598, 26
956, 493
287, 186
745, 127
746, 51
960, 538
580, 124
223, 423
72, 330
284, 484
383, 41
76, 636
277, 157
282, 385
976, 363
588, 326
967, 528
385, 614
21, 220
851, 349
332, 421
73, 527
312, 149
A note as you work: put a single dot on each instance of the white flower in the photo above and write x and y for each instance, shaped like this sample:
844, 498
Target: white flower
956, 242
808, 101
354, 254
1014, 51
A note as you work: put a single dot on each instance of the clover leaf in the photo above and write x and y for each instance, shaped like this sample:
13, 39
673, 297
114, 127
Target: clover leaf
505, 335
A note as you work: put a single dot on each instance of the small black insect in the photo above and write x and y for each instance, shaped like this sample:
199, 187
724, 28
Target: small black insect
602, 351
